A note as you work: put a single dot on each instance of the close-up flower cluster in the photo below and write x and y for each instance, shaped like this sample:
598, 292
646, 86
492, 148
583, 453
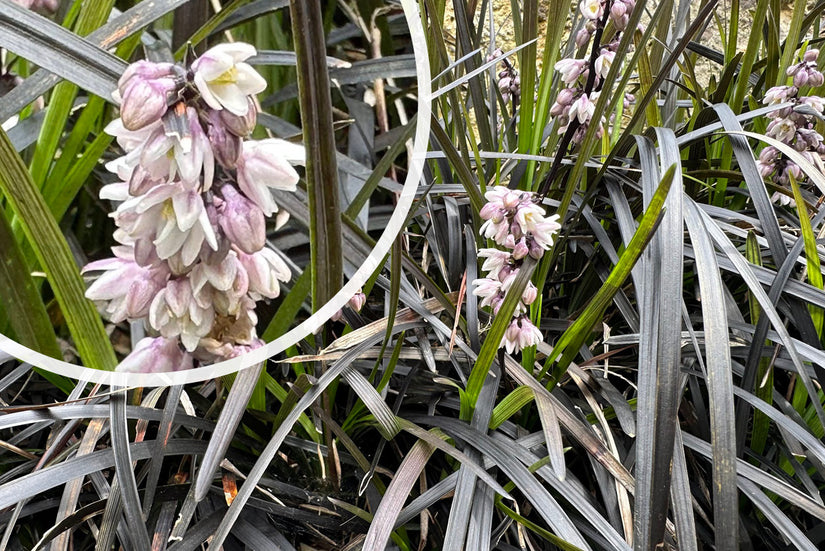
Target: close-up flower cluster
577, 101
192, 203
794, 125
515, 222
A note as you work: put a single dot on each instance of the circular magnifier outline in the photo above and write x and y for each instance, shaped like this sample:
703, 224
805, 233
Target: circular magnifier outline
316, 320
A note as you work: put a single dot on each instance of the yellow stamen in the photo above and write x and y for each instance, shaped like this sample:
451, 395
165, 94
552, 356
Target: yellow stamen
230, 76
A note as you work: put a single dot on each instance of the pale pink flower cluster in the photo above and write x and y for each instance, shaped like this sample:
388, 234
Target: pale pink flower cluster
794, 125
193, 198
509, 82
515, 222
574, 103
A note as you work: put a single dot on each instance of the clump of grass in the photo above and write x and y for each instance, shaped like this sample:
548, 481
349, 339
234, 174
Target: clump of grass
674, 399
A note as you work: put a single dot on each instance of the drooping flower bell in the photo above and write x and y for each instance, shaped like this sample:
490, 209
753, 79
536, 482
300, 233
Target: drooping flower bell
224, 80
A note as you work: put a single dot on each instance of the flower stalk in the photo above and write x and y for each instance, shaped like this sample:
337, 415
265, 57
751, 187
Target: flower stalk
322, 173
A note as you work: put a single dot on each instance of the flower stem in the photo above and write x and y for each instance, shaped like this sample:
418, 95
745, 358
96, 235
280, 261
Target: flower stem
321, 168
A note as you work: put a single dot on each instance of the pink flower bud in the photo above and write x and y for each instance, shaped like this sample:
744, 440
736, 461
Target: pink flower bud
156, 355
226, 145
145, 91
582, 37
357, 301
530, 294
520, 250
242, 221
810, 55
800, 79
241, 125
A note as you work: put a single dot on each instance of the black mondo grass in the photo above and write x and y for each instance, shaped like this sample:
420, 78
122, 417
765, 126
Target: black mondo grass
647, 375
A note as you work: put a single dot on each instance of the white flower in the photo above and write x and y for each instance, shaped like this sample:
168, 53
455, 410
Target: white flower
173, 217
265, 269
582, 109
264, 164
495, 261
591, 9
174, 312
570, 69
125, 289
166, 155
520, 334
224, 81
604, 61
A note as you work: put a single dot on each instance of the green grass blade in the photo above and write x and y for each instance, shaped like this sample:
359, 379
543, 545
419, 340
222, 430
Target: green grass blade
54, 256
21, 300
569, 343
492, 341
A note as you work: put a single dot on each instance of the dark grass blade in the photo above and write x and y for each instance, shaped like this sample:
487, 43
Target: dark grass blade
467, 493
57, 49
261, 465
71, 493
681, 498
54, 256
776, 517
112, 33
125, 472
55, 413
571, 490
545, 504
252, 10
763, 479
228, 421
746, 271
173, 396
40, 481
408, 472
321, 171
660, 302
720, 384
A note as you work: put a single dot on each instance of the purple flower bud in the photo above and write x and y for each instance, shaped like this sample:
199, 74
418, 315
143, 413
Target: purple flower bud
810, 55
241, 125
357, 301
521, 249
241, 221
582, 37
226, 145
815, 78
145, 90
800, 79
566, 96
